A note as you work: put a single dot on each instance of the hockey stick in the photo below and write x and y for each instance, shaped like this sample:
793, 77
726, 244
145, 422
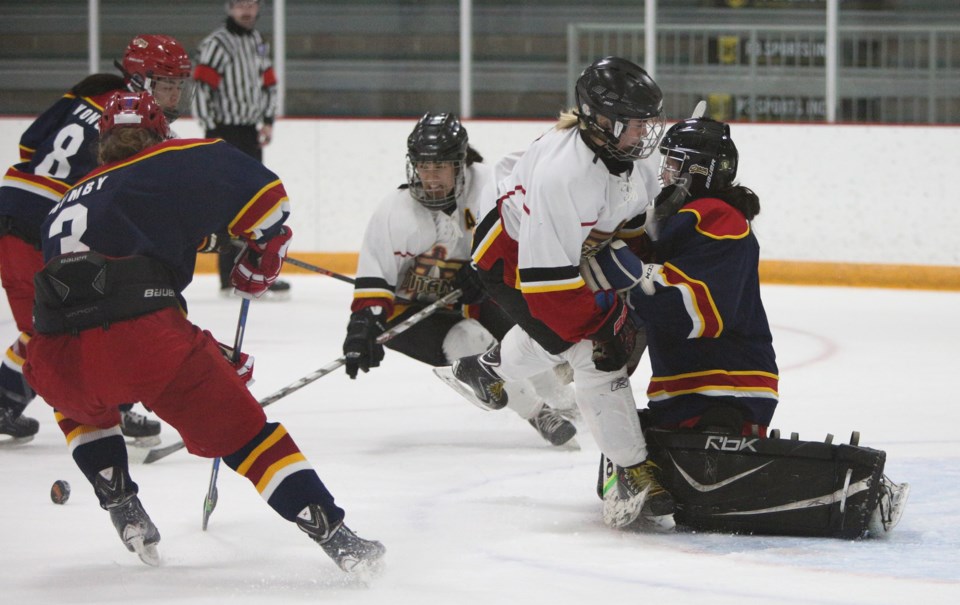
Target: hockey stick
320, 270
210, 501
162, 452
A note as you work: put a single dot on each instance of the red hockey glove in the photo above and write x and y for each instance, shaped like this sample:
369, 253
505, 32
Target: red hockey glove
259, 265
243, 366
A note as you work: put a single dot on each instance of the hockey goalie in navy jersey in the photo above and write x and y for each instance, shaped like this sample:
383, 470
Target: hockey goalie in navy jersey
120, 247
714, 384
56, 150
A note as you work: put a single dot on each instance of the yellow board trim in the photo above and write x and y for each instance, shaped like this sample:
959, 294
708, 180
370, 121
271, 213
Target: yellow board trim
796, 273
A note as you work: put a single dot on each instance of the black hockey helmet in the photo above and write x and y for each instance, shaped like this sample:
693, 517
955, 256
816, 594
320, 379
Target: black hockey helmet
619, 91
436, 140
701, 148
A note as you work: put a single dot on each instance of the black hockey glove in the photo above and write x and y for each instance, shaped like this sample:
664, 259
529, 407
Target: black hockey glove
467, 280
361, 349
614, 342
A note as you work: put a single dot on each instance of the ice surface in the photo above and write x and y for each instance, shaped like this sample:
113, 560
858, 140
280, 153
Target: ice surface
474, 508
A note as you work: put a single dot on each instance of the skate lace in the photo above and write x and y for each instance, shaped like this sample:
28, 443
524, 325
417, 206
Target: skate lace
133, 419
549, 420
639, 477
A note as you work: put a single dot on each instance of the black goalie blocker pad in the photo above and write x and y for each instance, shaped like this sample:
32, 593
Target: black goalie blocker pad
774, 486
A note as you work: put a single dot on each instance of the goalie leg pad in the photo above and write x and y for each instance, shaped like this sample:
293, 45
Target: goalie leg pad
769, 486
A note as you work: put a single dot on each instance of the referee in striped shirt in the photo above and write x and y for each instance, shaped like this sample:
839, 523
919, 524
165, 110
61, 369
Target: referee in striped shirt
236, 99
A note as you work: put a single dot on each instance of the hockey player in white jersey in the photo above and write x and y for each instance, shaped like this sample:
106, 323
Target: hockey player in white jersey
572, 191
416, 249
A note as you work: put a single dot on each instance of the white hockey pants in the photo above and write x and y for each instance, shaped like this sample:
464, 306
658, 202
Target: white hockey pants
605, 399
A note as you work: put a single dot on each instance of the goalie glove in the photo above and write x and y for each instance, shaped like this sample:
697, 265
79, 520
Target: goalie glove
258, 266
243, 365
361, 351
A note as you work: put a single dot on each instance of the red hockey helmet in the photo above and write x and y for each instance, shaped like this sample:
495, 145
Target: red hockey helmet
160, 65
133, 110
155, 55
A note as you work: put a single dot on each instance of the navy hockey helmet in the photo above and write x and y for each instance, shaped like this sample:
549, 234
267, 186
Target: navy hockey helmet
133, 110
701, 148
613, 94
436, 155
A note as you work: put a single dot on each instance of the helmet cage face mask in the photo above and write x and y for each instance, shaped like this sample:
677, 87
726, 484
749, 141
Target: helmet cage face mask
701, 149
611, 137
438, 141
159, 65
429, 197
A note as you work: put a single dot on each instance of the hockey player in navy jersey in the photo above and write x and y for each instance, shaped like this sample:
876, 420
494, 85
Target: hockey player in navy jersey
572, 191
416, 249
110, 321
55, 151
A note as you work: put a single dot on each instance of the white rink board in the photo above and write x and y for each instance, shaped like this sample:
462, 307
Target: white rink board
859, 194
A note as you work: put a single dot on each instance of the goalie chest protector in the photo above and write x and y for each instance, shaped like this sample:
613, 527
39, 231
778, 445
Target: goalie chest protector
768, 485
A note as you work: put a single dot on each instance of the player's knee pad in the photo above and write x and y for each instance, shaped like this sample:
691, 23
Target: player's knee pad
466, 338
768, 485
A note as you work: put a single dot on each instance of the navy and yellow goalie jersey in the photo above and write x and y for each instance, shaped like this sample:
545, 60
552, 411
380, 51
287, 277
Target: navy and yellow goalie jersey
707, 331
162, 202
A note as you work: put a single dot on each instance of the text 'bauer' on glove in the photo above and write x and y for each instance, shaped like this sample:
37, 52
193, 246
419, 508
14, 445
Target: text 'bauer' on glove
360, 348
258, 266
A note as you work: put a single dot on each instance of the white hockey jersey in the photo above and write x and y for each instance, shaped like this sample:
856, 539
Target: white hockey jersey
410, 253
559, 204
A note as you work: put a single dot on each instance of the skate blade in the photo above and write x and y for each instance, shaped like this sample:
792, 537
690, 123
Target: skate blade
15, 441
144, 442
662, 524
271, 296
446, 375
148, 553
367, 570
571, 445
619, 513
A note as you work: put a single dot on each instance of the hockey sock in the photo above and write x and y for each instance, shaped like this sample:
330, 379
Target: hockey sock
282, 474
15, 393
94, 449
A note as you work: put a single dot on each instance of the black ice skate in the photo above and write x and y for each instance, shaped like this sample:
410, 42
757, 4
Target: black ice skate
349, 551
143, 431
132, 522
634, 495
477, 372
18, 427
552, 426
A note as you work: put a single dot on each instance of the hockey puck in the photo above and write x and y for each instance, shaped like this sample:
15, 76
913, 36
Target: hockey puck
60, 492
